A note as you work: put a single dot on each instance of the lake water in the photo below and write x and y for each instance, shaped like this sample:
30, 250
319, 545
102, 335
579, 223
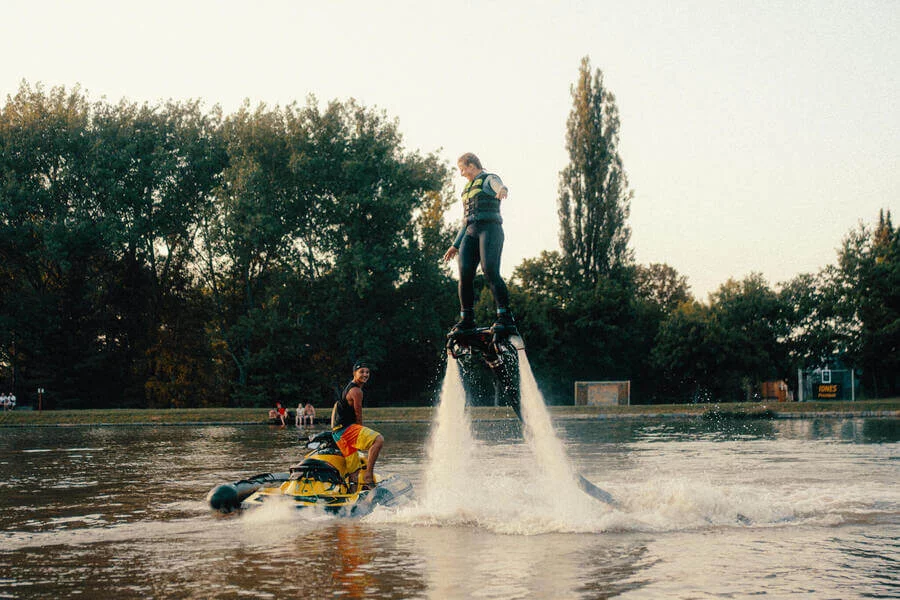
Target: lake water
731, 509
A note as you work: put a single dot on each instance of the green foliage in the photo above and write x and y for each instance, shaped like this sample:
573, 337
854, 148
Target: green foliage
661, 287
869, 263
584, 311
684, 355
163, 256
594, 200
720, 351
579, 332
816, 326
850, 312
748, 316
53, 257
159, 255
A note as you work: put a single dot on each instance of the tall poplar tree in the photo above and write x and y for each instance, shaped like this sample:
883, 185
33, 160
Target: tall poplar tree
594, 199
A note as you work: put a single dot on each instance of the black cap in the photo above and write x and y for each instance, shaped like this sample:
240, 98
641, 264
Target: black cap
360, 364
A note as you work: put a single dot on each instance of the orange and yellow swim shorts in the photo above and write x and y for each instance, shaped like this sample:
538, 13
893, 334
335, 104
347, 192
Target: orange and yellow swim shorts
351, 439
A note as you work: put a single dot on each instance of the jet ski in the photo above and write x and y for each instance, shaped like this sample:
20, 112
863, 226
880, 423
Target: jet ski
320, 480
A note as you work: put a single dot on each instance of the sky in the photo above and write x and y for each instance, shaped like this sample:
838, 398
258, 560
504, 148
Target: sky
755, 135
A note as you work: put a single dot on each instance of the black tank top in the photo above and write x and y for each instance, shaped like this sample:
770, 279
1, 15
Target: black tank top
345, 414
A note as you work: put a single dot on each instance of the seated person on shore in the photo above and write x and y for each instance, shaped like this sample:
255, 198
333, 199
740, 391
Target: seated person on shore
279, 413
309, 414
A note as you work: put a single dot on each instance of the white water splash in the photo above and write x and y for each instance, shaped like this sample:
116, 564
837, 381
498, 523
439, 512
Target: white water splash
556, 474
531, 488
502, 490
450, 448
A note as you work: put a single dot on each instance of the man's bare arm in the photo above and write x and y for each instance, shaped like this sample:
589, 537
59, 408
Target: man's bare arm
355, 397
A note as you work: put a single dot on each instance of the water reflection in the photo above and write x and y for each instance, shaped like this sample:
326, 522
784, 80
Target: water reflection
857, 431
466, 563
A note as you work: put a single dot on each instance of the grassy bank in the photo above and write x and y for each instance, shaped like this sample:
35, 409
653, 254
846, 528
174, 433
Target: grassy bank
200, 416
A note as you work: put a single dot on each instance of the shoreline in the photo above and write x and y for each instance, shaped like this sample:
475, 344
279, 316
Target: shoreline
188, 417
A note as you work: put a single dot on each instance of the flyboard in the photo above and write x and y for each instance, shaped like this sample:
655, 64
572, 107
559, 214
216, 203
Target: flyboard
500, 352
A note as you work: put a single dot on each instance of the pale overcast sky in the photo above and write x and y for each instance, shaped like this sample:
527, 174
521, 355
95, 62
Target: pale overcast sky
755, 135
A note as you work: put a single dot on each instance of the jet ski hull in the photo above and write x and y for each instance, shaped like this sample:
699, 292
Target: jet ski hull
390, 491
320, 480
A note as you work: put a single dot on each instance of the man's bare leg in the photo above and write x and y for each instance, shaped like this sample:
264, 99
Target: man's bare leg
374, 449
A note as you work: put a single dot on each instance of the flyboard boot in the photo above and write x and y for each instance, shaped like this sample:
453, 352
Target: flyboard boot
504, 326
464, 327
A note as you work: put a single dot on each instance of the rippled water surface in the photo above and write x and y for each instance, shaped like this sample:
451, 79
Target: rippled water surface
792, 508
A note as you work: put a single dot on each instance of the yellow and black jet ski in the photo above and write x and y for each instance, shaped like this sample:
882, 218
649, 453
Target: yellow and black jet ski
320, 480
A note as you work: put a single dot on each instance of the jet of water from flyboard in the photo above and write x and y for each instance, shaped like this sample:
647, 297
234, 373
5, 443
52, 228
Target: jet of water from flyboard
451, 440
451, 443
541, 437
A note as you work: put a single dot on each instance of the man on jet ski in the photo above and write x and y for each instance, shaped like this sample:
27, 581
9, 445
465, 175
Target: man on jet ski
480, 241
348, 430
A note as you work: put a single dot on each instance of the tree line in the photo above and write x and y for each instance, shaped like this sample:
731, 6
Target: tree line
163, 255
160, 255
592, 313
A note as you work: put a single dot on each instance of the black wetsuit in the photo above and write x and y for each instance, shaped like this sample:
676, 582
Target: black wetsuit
481, 242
